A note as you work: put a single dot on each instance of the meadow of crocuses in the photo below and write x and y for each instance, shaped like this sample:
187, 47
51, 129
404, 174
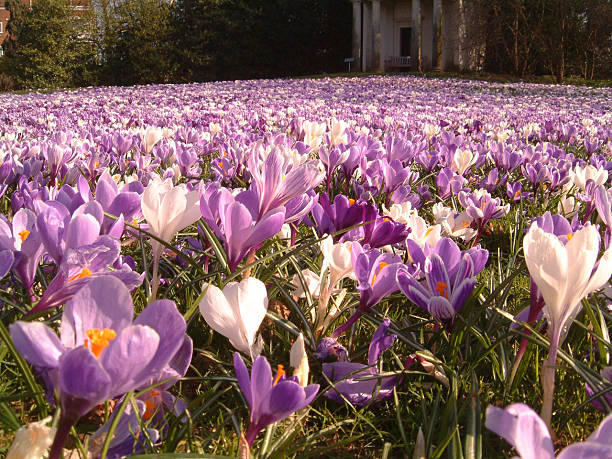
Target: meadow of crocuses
364, 267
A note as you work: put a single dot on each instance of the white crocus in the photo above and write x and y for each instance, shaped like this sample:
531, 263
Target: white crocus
298, 359
563, 284
150, 137
580, 175
313, 284
337, 132
32, 441
422, 233
454, 224
168, 209
401, 213
336, 258
463, 159
237, 311
568, 206
313, 133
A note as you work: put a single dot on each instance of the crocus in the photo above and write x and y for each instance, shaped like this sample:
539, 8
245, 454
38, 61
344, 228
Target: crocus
357, 382
606, 374
563, 284
375, 274
520, 426
32, 441
237, 311
168, 209
270, 398
100, 353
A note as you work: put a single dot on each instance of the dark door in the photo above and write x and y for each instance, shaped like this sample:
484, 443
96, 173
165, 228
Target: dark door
405, 37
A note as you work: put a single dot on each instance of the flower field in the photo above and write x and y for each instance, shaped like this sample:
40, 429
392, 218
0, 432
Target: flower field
350, 267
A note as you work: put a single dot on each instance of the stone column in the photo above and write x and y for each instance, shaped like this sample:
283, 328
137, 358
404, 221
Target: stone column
357, 38
377, 52
415, 54
436, 61
449, 36
427, 34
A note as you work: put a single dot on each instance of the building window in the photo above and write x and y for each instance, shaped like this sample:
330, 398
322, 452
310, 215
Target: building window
405, 40
1, 27
1, 51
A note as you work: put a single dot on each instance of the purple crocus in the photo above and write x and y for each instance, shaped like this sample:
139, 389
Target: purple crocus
375, 273
100, 353
520, 426
358, 383
606, 374
270, 398
449, 280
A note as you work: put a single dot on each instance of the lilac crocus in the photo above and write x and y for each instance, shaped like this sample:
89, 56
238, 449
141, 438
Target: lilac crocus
234, 220
358, 383
152, 407
482, 207
270, 398
520, 426
82, 264
100, 353
276, 181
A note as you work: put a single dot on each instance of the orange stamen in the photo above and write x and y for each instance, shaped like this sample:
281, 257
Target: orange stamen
378, 270
84, 273
280, 372
351, 201
429, 230
441, 288
98, 339
150, 405
517, 194
24, 235
570, 236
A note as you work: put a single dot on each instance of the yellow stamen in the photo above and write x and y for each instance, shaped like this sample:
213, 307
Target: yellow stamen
84, 273
351, 201
98, 339
280, 372
429, 230
378, 270
570, 236
24, 235
441, 288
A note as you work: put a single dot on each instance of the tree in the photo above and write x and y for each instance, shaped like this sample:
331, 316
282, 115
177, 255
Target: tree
50, 46
136, 44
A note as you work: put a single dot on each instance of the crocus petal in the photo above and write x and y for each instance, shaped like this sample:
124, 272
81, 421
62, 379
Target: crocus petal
441, 308
380, 341
223, 317
244, 380
104, 302
249, 299
520, 426
125, 358
83, 377
6, 262
82, 230
163, 317
261, 383
547, 262
583, 246
37, 343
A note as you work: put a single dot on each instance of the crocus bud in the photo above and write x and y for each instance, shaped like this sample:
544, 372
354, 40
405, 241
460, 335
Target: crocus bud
299, 361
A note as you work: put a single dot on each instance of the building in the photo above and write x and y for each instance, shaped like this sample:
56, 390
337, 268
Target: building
415, 34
